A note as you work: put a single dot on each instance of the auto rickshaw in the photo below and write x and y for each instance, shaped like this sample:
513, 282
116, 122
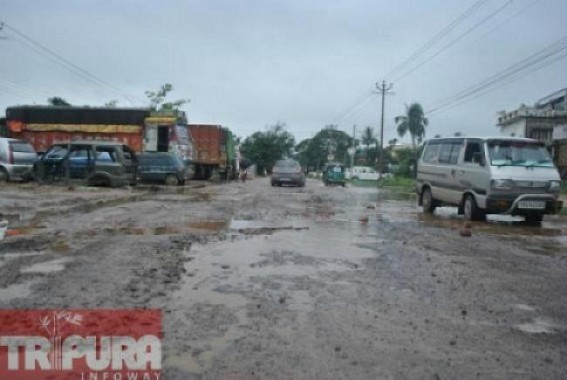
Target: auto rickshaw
334, 173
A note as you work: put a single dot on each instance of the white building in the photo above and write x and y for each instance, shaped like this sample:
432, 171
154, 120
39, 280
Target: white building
539, 121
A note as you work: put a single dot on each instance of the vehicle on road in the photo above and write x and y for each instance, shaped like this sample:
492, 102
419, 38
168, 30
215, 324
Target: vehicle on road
362, 173
215, 150
165, 168
480, 176
334, 173
287, 172
17, 158
99, 163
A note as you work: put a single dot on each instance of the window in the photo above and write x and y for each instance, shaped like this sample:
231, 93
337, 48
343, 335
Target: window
472, 148
445, 153
455, 151
449, 153
431, 153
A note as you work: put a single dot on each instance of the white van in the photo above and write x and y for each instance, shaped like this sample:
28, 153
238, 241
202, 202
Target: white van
500, 175
362, 173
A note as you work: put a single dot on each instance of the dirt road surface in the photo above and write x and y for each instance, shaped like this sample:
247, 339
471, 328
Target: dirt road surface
257, 282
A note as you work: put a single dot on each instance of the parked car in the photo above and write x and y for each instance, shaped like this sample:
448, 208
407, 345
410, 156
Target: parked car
288, 172
17, 158
334, 173
482, 176
99, 163
363, 173
165, 168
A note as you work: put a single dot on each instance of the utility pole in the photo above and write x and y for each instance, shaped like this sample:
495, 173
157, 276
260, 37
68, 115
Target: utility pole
353, 146
383, 89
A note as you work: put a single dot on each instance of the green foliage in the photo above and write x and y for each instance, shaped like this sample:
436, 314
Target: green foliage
329, 142
157, 99
57, 101
111, 103
413, 122
265, 148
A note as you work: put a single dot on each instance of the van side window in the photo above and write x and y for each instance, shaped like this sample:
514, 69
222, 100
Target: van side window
455, 151
472, 148
445, 153
431, 153
449, 153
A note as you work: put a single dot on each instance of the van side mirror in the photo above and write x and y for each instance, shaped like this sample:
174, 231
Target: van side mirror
479, 158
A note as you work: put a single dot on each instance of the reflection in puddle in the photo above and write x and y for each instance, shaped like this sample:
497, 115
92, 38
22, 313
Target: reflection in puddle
46, 267
538, 326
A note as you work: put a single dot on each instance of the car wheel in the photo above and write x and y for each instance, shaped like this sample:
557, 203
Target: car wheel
427, 201
471, 210
534, 218
4, 176
171, 180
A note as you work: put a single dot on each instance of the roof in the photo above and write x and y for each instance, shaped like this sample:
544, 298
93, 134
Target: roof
484, 138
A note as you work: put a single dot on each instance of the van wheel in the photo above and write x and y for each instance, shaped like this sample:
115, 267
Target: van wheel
4, 177
171, 180
471, 210
428, 203
534, 218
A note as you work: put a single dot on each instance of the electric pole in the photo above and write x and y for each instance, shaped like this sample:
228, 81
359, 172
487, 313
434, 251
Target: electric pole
383, 89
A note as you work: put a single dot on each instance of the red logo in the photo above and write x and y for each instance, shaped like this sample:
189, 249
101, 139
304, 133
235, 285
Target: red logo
80, 344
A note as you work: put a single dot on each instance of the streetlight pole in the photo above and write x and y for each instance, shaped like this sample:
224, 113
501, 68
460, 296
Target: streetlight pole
383, 89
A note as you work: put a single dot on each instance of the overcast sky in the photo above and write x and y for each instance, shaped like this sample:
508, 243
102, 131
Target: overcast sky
250, 64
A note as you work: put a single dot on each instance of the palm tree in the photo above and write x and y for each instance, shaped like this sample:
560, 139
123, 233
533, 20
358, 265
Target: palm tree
368, 139
414, 122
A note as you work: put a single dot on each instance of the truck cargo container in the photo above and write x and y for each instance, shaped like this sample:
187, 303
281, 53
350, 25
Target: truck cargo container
214, 149
141, 129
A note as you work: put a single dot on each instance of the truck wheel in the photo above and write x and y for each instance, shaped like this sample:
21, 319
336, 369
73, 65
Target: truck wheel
534, 218
171, 180
428, 203
471, 210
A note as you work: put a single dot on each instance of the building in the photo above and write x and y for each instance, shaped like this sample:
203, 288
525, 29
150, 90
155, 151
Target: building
539, 121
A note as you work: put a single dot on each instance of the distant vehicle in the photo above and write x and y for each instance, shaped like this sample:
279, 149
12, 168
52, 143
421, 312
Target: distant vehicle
165, 168
334, 173
287, 172
17, 158
142, 129
480, 176
214, 149
362, 173
98, 163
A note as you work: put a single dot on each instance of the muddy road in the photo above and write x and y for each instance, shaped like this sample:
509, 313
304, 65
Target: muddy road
258, 282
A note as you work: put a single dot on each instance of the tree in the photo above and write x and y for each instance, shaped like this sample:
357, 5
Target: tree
458, 134
393, 141
413, 122
57, 101
328, 142
111, 103
157, 99
265, 148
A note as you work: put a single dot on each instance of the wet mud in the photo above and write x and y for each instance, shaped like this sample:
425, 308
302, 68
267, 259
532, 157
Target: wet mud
318, 282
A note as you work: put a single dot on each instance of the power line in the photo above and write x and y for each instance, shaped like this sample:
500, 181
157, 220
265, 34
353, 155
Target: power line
521, 69
439, 36
453, 42
363, 98
62, 61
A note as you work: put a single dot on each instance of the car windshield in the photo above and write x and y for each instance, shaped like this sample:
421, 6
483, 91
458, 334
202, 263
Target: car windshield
518, 153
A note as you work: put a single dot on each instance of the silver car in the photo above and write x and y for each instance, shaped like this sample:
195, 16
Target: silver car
287, 172
17, 158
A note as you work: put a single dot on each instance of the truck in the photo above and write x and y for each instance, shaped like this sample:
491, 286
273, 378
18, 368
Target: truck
214, 150
142, 129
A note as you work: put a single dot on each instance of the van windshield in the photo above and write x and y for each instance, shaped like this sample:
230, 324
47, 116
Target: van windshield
518, 153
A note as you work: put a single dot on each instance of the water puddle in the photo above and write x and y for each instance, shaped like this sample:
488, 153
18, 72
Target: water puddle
209, 226
538, 326
256, 227
46, 267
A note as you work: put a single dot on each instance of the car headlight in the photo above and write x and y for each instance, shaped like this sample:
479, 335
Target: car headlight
502, 184
554, 186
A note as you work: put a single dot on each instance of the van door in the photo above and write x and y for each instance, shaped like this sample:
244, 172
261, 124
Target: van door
450, 188
472, 173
